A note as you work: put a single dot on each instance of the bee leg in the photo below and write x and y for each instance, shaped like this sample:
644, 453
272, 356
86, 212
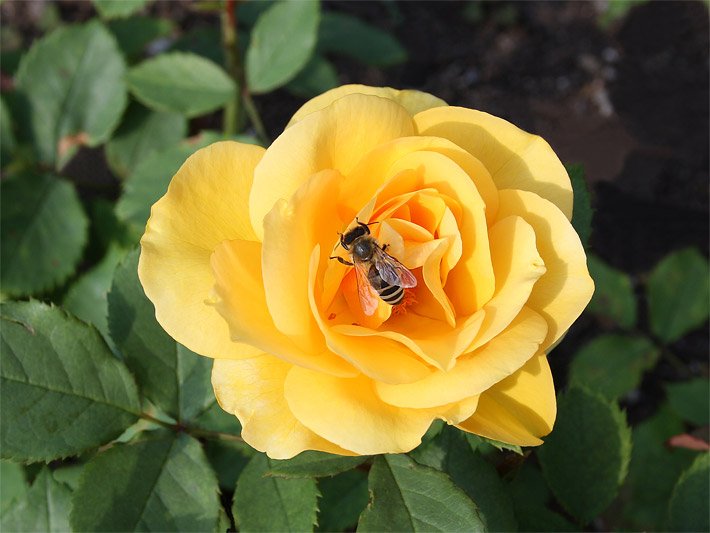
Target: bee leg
384, 247
343, 261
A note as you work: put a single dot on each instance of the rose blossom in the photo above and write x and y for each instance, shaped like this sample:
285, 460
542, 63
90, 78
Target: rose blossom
236, 259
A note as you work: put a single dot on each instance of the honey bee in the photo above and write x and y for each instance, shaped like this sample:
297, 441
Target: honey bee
378, 274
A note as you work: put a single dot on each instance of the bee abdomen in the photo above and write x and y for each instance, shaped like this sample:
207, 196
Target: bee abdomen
391, 294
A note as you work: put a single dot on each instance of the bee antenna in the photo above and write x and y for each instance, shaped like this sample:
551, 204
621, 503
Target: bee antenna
368, 224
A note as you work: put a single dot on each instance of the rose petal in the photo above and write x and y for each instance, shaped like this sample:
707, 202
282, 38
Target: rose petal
515, 158
371, 173
336, 137
242, 304
253, 391
473, 373
348, 412
205, 204
471, 282
518, 410
379, 358
291, 230
434, 341
517, 266
412, 101
563, 292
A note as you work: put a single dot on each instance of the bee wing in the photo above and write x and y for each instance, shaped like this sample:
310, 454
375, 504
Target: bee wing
392, 271
369, 300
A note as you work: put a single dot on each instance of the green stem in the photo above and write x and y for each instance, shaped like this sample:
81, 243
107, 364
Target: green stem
195, 432
254, 117
149, 418
231, 54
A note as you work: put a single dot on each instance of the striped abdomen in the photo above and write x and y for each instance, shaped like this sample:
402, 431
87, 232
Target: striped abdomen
390, 294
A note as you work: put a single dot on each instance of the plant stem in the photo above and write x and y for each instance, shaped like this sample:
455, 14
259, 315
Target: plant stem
213, 434
254, 117
195, 432
150, 418
231, 54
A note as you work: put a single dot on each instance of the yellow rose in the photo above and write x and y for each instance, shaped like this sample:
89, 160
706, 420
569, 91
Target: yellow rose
236, 259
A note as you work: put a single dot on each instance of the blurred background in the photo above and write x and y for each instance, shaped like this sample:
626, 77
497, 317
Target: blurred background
618, 88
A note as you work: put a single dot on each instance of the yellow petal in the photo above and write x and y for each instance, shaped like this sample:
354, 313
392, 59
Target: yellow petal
253, 391
336, 137
206, 203
377, 357
565, 289
371, 173
518, 410
515, 158
471, 282
433, 341
473, 373
348, 412
291, 230
517, 266
239, 285
412, 101
457, 412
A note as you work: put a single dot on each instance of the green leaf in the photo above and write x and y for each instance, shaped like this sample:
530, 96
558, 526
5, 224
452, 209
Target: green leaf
182, 83
691, 400
582, 207
111, 9
344, 34
204, 41
314, 464
456, 457
149, 181
44, 230
44, 507
647, 490
530, 496
585, 459
108, 230
616, 10
62, 390
265, 503
405, 496
163, 484
614, 297
249, 12
142, 133
318, 76
13, 485
343, 498
7, 135
282, 42
498, 445
688, 508
74, 80
69, 474
228, 459
87, 298
214, 418
537, 518
175, 379
529, 486
136, 33
613, 365
678, 294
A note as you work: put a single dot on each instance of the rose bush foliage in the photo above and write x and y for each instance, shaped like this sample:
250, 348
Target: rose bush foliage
235, 258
